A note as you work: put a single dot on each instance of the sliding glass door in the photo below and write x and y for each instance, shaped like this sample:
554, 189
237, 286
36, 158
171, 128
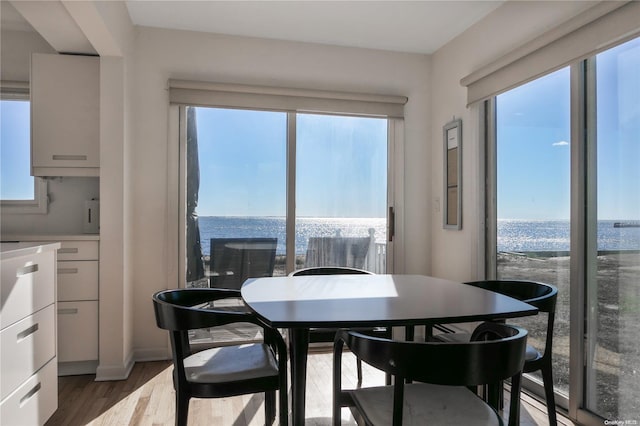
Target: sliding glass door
613, 263
341, 192
533, 202
565, 209
269, 192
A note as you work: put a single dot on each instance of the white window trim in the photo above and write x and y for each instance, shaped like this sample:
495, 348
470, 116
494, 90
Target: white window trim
39, 204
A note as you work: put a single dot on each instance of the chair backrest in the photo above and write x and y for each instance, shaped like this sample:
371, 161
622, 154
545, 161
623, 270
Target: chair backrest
542, 296
191, 308
329, 270
337, 251
233, 260
453, 364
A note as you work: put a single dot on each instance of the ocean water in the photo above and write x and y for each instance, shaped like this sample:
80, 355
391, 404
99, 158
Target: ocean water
553, 235
513, 235
257, 227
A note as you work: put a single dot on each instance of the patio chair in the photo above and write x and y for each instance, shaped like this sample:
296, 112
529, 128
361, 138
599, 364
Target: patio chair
327, 335
542, 296
233, 260
222, 371
337, 251
441, 374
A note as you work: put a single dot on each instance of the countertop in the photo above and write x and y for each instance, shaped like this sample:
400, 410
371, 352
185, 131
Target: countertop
50, 237
12, 250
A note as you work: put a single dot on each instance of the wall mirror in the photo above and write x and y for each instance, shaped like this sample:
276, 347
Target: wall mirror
452, 136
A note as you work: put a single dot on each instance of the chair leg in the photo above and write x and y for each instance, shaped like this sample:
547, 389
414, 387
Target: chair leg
547, 380
514, 403
359, 368
284, 406
269, 407
182, 409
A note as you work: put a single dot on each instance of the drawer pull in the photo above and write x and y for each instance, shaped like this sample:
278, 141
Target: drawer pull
71, 250
70, 157
26, 333
68, 311
26, 270
67, 270
30, 394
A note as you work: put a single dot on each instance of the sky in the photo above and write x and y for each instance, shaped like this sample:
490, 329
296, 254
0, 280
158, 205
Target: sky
341, 164
15, 180
533, 147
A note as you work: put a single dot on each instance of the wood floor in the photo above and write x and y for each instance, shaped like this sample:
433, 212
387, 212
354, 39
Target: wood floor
147, 398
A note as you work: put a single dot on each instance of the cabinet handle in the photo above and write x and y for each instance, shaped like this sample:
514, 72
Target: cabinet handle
67, 311
71, 250
67, 270
70, 157
30, 394
26, 333
26, 270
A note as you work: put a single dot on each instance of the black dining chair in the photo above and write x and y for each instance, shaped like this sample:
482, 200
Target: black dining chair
326, 335
222, 371
542, 296
441, 374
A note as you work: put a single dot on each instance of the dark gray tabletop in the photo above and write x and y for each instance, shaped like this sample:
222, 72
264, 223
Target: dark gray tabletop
318, 301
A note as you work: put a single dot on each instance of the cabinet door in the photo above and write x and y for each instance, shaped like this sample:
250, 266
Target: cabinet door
65, 113
77, 331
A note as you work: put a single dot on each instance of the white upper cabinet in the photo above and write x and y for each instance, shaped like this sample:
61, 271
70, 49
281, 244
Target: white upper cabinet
65, 115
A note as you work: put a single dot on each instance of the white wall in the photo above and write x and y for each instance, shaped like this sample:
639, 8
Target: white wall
457, 254
164, 54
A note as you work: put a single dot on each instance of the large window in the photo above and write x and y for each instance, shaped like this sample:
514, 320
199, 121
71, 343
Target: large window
567, 212
19, 191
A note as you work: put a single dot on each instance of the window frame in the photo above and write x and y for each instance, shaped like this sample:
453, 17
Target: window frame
40, 202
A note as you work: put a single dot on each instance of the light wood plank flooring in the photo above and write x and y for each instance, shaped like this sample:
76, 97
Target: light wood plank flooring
147, 398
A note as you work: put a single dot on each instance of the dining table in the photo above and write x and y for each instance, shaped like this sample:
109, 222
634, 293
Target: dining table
298, 303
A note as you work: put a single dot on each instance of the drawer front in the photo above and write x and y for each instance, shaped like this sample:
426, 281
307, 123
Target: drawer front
26, 346
78, 280
77, 331
28, 285
78, 250
35, 401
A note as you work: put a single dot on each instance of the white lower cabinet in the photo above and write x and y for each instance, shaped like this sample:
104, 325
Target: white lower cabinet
34, 401
28, 363
78, 295
77, 337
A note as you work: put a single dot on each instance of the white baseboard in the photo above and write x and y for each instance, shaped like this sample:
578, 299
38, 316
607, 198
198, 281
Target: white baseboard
106, 373
152, 354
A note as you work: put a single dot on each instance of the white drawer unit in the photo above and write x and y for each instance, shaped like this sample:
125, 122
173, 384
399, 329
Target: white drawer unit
28, 362
26, 347
78, 295
77, 331
27, 286
34, 401
78, 250
78, 280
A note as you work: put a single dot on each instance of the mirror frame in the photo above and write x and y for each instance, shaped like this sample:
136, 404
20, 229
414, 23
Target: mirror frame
452, 166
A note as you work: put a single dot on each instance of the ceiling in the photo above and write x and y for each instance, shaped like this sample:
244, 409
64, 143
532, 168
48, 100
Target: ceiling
421, 26
405, 26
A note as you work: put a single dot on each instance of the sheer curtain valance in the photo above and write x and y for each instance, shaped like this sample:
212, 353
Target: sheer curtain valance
607, 24
222, 95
